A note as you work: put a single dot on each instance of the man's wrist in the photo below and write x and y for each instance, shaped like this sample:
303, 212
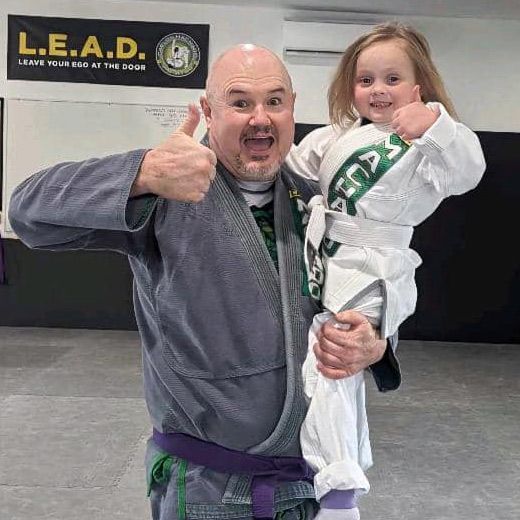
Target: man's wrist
140, 186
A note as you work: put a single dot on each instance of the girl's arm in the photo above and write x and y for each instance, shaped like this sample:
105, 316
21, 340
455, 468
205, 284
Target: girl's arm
453, 158
305, 158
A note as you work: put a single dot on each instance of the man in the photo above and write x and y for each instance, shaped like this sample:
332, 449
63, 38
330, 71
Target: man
213, 233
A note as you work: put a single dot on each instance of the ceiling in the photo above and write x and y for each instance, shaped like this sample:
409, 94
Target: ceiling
497, 9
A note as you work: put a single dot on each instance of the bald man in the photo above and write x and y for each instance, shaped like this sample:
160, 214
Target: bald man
213, 233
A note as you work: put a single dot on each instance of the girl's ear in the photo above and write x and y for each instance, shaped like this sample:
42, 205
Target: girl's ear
416, 94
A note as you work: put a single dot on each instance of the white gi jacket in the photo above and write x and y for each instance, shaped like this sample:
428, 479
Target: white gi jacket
375, 188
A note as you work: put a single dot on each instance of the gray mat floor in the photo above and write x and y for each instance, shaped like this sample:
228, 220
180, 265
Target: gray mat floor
73, 426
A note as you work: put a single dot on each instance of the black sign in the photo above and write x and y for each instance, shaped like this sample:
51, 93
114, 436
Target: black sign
114, 52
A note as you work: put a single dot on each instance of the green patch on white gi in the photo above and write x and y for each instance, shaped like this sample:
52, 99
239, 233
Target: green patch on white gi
360, 172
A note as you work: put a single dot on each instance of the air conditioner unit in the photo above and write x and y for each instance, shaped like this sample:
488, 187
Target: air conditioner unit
319, 39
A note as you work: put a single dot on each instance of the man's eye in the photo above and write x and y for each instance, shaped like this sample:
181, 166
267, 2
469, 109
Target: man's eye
275, 101
240, 103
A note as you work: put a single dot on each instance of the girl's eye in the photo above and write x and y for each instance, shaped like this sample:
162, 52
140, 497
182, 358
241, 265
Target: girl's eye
393, 79
365, 81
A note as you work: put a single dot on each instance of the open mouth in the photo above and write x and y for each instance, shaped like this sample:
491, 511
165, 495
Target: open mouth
258, 144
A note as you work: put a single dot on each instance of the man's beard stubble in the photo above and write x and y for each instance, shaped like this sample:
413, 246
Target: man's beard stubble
257, 171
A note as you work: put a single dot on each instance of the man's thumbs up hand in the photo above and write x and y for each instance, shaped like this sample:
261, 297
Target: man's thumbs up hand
180, 168
191, 122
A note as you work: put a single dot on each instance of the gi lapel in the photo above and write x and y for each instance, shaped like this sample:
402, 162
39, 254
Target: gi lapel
290, 259
289, 246
234, 206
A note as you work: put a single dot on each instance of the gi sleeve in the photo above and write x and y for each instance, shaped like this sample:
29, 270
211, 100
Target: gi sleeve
83, 204
453, 159
386, 372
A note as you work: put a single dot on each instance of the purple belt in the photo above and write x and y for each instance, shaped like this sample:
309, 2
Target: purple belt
267, 471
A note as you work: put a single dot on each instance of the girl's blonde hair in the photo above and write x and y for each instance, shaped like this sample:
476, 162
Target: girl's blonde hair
341, 90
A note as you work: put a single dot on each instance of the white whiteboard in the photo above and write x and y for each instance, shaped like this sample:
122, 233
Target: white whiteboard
40, 133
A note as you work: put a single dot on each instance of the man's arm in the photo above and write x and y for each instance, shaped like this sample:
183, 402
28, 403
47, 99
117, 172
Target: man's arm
89, 203
62, 206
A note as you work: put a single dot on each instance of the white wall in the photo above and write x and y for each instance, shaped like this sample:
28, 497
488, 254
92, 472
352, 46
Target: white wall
479, 62
245, 25
477, 58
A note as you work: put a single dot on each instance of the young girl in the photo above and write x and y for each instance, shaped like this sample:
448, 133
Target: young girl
394, 151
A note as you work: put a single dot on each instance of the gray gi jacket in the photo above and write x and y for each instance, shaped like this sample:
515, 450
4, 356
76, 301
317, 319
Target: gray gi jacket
223, 333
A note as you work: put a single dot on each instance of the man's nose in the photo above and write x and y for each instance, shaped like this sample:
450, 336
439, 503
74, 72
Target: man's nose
259, 116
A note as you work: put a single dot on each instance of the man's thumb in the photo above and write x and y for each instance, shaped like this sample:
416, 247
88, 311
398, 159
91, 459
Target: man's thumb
189, 125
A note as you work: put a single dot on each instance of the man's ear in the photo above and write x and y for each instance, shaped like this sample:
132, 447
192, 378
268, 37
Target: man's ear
206, 110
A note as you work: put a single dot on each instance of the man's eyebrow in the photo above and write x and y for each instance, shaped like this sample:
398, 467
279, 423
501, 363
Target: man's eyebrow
236, 92
241, 92
280, 90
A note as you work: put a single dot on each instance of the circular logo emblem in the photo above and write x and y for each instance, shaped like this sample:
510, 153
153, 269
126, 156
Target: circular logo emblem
177, 55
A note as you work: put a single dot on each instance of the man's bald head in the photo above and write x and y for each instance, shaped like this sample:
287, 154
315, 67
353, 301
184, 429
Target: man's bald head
245, 57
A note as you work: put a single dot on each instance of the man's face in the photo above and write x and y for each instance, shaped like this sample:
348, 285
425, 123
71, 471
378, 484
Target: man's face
385, 80
249, 113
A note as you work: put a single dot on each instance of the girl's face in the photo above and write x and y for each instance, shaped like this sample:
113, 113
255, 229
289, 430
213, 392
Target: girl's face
384, 81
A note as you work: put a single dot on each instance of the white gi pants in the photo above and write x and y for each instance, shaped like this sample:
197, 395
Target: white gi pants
334, 436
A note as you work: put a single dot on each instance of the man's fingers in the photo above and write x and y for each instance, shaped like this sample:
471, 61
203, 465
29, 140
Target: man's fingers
189, 125
212, 173
353, 318
338, 373
212, 159
329, 354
